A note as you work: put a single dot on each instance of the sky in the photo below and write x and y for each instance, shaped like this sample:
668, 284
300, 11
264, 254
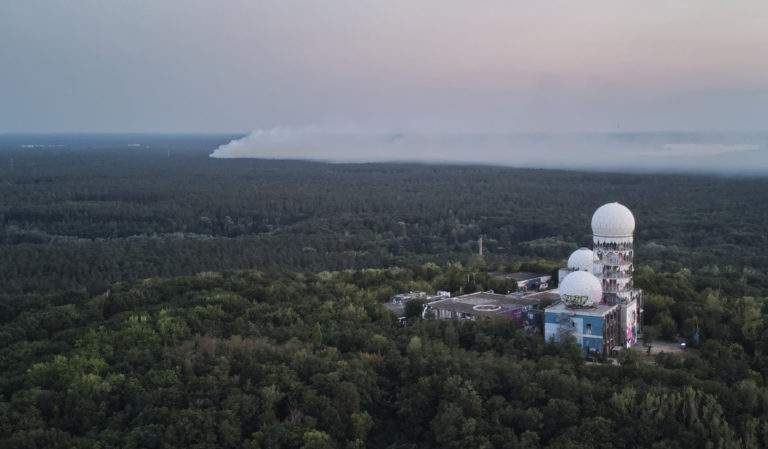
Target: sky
417, 66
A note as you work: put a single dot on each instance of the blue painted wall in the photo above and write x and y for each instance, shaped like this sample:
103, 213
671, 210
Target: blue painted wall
588, 329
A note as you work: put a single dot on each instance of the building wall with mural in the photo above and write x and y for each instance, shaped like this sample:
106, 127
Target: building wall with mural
629, 323
594, 329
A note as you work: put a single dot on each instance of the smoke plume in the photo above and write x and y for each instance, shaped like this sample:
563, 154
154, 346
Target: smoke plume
661, 152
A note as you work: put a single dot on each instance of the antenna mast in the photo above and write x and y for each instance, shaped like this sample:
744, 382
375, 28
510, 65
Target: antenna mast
480, 246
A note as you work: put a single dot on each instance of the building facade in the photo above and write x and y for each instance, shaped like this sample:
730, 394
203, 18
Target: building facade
518, 308
596, 329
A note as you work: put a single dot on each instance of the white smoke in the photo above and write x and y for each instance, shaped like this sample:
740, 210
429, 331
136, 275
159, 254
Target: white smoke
624, 152
311, 144
699, 149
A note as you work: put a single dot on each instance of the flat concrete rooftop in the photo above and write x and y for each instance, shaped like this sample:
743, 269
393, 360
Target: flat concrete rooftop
597, 310
484, 303
552, 295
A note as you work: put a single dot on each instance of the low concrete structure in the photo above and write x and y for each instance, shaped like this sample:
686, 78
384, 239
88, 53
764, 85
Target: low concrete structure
596, 328
487, 304
397, 302
403, 297
398, 308
526, 280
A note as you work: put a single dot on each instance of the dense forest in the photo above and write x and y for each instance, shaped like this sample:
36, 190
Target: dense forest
281, 359
153, 297
98, 210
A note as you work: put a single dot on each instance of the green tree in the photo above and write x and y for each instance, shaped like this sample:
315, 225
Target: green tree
316, 439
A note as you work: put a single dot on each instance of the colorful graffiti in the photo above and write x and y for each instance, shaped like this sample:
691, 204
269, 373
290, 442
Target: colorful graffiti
631, 325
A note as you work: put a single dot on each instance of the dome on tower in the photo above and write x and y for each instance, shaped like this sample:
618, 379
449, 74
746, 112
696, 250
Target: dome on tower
581, 259
581, 289
613, 220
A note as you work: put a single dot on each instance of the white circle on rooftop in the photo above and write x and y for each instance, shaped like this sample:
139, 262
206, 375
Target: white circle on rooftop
581, 259
613, 220
486, 308
581, 289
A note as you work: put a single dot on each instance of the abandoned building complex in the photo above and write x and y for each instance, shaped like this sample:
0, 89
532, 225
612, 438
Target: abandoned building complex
595, 302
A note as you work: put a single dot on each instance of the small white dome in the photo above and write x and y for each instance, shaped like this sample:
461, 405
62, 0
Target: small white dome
613, 220
581, 288
581, 259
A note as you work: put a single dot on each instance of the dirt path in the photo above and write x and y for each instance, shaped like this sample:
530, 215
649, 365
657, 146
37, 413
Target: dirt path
660, 346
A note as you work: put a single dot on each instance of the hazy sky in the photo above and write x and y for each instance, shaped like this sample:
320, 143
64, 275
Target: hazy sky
417, 65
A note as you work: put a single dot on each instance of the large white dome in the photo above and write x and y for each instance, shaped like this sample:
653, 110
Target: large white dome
581, 288
613, 220
581, 259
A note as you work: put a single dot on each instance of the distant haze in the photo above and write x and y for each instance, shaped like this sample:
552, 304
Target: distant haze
723, 153
376, 67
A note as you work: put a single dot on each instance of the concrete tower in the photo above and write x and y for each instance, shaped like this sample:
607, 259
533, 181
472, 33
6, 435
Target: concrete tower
612, 234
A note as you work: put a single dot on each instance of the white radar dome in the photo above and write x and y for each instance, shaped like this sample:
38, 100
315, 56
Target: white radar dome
613, 220
581, 289
581, 259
